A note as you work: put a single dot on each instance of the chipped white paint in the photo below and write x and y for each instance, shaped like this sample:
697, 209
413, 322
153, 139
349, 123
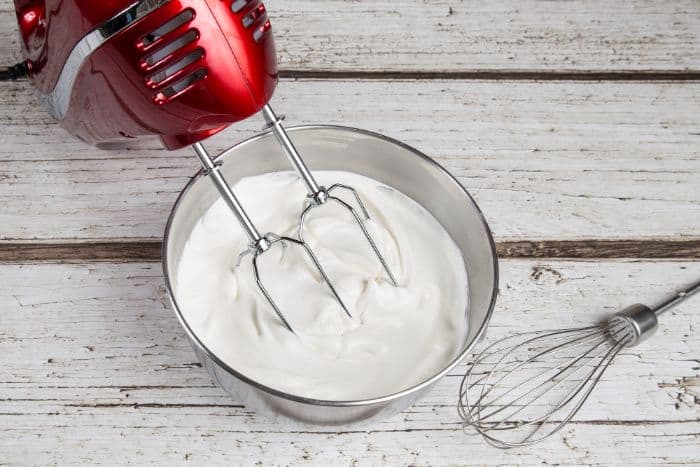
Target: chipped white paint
95, 368
545, 160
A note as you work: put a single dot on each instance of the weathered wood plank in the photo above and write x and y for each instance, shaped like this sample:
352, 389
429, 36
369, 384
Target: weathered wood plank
513, 35
554, 160
469, 36
151, 251
673, 444
95, 367
600, 249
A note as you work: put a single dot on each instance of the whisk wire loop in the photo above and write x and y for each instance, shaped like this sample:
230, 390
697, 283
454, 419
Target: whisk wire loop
555, 378
539, 335
507, 373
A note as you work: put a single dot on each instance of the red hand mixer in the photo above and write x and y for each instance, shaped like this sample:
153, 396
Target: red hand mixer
181, 70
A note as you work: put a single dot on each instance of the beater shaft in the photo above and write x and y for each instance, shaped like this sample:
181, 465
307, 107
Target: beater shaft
211, 169
275, 124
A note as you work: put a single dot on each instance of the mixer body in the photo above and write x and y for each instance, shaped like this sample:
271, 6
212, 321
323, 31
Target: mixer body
181, 70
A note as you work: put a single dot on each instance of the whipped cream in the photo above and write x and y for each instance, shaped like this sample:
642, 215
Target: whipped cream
397, 337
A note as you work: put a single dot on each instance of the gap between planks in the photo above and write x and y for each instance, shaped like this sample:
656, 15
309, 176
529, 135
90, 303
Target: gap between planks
515, 75
150, 251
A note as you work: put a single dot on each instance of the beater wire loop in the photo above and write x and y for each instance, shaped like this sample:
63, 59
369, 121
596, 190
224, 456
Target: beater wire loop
358, 219
355, 194
259, 244
275, 239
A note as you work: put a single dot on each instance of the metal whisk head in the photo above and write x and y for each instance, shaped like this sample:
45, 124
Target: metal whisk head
526, 387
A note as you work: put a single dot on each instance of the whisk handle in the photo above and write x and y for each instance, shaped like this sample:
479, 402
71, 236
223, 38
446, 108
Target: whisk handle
634, 324
681, 296
637, 323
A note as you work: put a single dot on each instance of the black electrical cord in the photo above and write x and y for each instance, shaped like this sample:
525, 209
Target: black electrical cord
15, 72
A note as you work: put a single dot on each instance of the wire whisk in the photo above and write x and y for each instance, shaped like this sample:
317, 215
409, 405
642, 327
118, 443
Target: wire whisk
524, 388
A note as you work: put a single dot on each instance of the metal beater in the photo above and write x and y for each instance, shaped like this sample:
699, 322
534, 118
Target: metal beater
320, 195
528, 386
317, 196
259, 244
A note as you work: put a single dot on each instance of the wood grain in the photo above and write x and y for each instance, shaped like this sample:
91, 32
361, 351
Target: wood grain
151, 251
592, 249
95, 367
631, 76
545, 160
471, 35
466, 36
80, 252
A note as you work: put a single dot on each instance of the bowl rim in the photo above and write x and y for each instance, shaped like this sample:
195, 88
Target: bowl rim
306, 400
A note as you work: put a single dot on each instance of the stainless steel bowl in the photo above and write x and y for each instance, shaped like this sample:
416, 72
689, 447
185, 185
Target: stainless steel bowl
375, 156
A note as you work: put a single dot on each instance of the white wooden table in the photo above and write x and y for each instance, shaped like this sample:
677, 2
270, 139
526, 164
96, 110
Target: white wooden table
576, 125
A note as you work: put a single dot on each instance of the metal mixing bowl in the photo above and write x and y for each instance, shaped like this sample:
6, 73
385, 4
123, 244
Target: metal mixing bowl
375, 156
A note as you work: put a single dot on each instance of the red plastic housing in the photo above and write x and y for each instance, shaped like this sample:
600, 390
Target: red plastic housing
182, 72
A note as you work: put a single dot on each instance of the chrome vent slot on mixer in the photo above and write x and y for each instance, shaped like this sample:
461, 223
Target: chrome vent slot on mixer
173, 56
167, 52
181, 86
254, 14
167, 28
172, 71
